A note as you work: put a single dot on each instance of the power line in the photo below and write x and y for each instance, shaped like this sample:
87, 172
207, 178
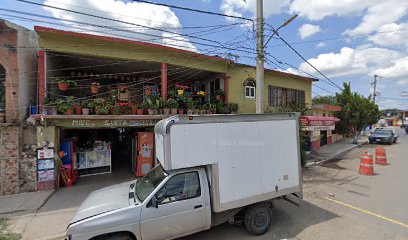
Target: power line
120, 21
304, 59
193, 10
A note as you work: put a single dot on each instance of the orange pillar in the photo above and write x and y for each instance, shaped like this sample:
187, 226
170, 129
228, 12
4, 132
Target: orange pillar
164, 80
226, 87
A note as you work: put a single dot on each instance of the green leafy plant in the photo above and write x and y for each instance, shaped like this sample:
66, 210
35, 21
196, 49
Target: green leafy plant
63, 105
191, 104
64, 80
172, 103
233, 107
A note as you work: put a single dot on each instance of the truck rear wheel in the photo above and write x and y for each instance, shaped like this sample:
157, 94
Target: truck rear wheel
258, 218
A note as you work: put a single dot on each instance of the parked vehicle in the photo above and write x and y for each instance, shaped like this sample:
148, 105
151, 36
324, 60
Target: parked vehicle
213, 169
406, 130
383, 135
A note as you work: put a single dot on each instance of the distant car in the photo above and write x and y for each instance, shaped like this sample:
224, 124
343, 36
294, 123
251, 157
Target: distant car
383, 135
406, 130
404, 125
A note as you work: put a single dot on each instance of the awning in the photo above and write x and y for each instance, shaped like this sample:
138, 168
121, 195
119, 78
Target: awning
311, 123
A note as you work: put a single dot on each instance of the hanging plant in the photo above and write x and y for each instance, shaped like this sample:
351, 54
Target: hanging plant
180, 89
63, 84
95, 87
147, 90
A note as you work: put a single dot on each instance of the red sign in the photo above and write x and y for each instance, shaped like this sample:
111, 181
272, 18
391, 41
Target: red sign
318, 123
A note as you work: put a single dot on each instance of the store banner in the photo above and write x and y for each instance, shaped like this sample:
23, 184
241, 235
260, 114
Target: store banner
45, 165
315, 123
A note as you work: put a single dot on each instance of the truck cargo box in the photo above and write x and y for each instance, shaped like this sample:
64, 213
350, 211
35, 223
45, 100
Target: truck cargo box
250, 158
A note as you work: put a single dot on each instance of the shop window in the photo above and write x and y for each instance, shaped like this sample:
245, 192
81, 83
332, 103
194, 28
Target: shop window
285, 97
2, 89
249, 88
180, 187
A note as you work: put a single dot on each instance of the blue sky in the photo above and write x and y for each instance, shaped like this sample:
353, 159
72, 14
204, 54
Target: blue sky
348, 41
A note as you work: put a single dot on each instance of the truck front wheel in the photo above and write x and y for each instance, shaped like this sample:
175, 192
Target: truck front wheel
258, 218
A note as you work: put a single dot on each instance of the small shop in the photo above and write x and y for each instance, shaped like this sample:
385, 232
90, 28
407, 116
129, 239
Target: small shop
76, 147
318, 130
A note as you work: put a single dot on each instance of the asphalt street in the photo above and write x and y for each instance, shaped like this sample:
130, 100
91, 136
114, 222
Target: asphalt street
339, 203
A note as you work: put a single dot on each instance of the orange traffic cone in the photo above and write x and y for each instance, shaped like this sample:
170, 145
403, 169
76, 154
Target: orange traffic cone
380, 156
366, 164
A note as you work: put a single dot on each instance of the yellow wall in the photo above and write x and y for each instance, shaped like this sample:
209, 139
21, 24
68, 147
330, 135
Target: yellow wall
240, 73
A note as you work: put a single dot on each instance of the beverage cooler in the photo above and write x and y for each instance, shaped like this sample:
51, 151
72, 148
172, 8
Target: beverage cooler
143, 153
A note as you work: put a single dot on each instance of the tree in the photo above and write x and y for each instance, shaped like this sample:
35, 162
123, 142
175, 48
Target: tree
331, 100
357, 111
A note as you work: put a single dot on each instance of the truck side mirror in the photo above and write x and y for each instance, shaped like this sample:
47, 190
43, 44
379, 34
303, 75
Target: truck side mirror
154, 202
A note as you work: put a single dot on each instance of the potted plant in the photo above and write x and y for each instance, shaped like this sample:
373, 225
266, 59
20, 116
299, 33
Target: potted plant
102, 108
77, 107
191, 104
63, 84
85, 109
135, 107
64, 106
207, 107
173, 105
49, 107
202, 110
219, 94
95, 87
180, 89
233, 107
166, 109
147, 90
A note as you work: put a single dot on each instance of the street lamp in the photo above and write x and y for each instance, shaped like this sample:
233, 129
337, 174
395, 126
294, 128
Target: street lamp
289, 20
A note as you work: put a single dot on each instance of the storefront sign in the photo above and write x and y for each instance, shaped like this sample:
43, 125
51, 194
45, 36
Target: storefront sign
315, 123
102, 123
318, 128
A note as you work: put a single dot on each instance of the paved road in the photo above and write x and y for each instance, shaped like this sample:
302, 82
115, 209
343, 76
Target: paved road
341, 204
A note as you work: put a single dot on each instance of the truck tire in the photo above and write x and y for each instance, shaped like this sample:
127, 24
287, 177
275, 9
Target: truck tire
117, 236
258, 218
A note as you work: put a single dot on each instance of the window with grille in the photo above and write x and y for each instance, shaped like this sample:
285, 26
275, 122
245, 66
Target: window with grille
285, 97
249, 89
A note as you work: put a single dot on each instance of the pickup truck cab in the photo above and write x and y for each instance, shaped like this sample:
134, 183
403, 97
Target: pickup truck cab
161, 205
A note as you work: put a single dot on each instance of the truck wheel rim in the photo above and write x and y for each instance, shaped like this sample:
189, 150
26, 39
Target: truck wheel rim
260, 219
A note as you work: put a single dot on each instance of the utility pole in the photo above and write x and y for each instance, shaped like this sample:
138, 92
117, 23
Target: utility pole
259, 95
375, 86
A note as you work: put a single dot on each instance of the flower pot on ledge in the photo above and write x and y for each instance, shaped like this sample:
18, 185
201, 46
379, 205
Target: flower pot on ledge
174, 111
166, 111
180, 111
63, 86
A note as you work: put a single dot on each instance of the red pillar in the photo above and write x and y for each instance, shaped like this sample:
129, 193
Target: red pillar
164, 80
41, 77
226, 86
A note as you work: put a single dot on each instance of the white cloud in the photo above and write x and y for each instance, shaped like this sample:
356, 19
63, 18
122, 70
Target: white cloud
308, 30
399, 70
148, 15
238, 7
318, 9
391, 34
321, 45
351, 62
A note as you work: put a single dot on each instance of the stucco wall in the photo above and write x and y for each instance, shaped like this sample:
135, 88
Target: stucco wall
240, 73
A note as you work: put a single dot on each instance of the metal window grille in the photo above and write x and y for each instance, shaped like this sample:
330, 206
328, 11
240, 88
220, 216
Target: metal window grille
284, 97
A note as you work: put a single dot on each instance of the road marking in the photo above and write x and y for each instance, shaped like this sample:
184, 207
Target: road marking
364, 211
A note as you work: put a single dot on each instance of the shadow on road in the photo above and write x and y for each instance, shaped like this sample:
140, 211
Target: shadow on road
287, 222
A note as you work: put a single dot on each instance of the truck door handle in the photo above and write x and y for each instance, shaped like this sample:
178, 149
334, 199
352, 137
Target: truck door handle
198, 206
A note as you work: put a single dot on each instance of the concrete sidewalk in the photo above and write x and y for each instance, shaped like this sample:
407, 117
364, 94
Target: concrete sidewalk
333, 151
23, 203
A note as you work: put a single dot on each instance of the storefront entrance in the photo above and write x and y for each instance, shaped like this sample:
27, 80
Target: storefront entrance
323, 138
102, 152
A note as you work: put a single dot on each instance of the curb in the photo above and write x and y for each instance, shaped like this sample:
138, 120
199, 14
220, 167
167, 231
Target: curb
336, 154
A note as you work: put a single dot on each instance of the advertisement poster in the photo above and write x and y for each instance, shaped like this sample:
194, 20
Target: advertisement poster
45, 153
45, 164
46, 175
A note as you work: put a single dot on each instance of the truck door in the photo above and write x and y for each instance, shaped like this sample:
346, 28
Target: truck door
180, 209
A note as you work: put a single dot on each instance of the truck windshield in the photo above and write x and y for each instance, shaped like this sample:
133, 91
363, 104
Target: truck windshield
149, 182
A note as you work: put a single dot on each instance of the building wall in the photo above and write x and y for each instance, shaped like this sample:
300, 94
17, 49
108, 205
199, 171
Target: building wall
9, 160
240, 73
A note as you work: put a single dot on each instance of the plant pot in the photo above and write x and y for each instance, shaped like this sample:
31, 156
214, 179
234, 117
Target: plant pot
166, 111
148, 92
180, 111
134, 110
150, 111
190, 111
208, 111
63, 86
214, 111
161, 111
69, 111
77, 110
140, 111
180, 91
202, 112
85, 111
196, 111
174, 111
94, 89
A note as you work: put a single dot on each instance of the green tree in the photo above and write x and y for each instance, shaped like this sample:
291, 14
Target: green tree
357, 111
331, 99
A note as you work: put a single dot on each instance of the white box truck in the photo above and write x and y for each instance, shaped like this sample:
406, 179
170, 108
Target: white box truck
213, 169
